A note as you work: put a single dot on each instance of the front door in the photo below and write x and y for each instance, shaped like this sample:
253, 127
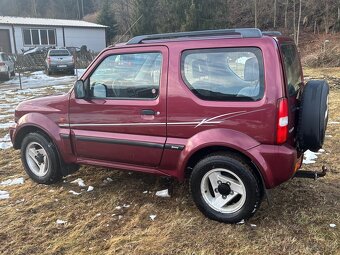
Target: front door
123, 118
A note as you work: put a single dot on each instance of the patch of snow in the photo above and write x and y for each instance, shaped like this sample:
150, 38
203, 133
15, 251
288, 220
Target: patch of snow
126, 206
11, 182
74, 193
4, 116
334, 122
310, 157
120, 217
6, 125
4, 194
118, 207
90, 188
163, 193
109, 179
145, 192
329, 136
61, 222
98, 214
153, 217
240, 222
5, 142
332, 225
80, 182
253, 225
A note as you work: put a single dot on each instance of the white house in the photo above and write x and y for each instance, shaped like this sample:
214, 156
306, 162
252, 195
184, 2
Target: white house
18, 33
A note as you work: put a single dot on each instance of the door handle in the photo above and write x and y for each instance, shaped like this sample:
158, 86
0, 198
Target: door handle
148, 112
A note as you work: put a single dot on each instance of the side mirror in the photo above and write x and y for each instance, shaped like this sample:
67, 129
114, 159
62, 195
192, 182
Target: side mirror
79, 89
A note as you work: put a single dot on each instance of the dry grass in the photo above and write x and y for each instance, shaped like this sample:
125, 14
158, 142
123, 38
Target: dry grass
295, 222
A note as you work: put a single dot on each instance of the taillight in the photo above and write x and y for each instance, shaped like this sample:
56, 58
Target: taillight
2, 63
282, 121
49, 60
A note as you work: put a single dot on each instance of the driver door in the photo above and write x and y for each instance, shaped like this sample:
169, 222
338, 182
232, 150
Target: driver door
123, 118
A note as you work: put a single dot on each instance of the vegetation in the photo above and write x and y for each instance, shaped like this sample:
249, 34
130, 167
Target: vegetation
158, 16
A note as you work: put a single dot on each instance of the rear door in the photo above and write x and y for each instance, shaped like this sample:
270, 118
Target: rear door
124, 118
294, 82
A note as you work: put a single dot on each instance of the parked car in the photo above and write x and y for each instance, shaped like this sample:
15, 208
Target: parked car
227, 109
59, 60
6, 66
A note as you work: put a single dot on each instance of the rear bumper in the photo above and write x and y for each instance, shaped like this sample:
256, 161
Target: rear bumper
60, 68
277, 163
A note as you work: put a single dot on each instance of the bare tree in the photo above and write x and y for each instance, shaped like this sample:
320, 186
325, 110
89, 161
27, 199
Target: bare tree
286, 10
275, 13
34, 7
294, 21
298, 26
255, 7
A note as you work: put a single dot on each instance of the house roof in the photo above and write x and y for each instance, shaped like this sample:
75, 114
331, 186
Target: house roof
47, 22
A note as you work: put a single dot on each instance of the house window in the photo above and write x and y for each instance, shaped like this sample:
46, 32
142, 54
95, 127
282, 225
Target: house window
39, 37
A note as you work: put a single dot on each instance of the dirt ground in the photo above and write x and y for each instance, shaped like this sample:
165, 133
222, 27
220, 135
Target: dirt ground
114, 218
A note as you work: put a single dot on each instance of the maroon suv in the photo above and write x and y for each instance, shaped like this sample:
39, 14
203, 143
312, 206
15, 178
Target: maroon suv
226, 108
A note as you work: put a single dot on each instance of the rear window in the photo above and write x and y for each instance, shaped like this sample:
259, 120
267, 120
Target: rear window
59, 53
291, 63
224, 74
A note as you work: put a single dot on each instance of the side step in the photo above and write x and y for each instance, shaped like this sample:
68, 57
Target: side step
311, 174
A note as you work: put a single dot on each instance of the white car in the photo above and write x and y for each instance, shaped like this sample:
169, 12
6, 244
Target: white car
6, 66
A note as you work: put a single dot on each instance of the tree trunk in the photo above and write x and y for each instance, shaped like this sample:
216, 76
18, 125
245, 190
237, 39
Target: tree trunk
298, 27
274, 13
326, 17
294, 21
34, 7
255, 3
286, 10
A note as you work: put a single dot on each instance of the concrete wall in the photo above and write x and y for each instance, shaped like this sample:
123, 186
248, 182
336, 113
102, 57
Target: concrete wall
93, 38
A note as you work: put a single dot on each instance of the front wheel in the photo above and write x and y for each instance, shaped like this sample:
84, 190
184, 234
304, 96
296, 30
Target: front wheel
225, 189
40, 159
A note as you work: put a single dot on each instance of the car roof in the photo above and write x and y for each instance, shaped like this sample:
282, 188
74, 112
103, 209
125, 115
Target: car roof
237, 33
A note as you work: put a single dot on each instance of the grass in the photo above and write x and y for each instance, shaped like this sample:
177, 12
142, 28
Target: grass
296, 221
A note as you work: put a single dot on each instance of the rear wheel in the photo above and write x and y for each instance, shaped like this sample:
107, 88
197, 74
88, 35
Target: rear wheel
225, 189
40, 159
8, 76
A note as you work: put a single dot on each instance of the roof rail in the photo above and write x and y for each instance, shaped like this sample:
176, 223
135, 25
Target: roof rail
243, 32
271, 33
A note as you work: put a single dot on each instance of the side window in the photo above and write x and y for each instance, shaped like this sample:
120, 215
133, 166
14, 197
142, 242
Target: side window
224, 74
291, 63
127, 76
5, 57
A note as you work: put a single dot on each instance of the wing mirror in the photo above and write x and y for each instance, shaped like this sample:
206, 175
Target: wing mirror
79, 89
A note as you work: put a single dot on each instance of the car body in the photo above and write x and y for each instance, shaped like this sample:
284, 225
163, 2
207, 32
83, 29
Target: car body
171, 107
59, 60
6, 66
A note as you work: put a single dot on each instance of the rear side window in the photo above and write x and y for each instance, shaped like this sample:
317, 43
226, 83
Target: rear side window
224, 74
59, 53
291, 63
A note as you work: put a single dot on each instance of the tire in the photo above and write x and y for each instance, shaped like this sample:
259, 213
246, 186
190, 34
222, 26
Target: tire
40, 159
224, 188
313, 115
8, 76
